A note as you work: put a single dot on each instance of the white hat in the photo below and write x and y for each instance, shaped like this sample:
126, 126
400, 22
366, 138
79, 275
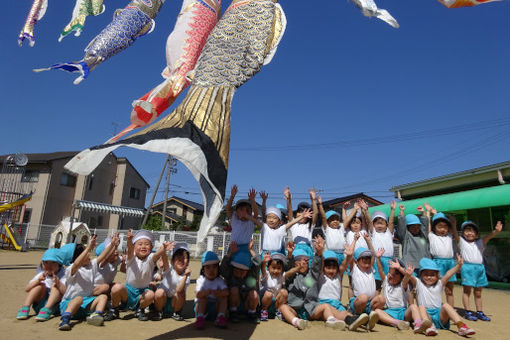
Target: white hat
143, 234
379, 214
180, 245
274, 211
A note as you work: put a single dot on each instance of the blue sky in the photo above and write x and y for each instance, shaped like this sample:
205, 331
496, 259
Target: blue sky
348, 104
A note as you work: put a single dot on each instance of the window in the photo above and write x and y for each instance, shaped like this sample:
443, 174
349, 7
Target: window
100, 221
134, 193
68, 180
90, 182
31, 176
27, 215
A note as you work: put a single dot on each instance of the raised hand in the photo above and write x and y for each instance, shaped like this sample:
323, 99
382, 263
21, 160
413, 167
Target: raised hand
394, 265
428, 207
347, 205
362, 204
434, 211
356, 205
356, 236
379, 253
252, 194
499, 227
287, 194
307, 213
319, 244
319, 199
402, 208
169, 246
349, 250
420, 209
409, 269
263, 195
267, 258
393, 205
313, 194
130, 235
233, 191
290, 247
233, 247
93, 239
366, 237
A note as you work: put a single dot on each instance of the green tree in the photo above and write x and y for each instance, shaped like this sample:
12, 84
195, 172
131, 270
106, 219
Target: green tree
153, 223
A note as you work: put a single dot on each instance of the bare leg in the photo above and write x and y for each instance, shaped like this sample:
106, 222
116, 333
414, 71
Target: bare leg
322, 312
385, 317
423, 313
465, 297
448, 290
234, 298
478, 299
119, 294
201, 306
447, 313
288, 313
412, 313
266, 300
360, 303
54, 297
103, 288
36, 294
350, 291
74, 305
377, 302
222, 304
159, 300
252, 300
146, 299
178, 301
99, 303
340, 315
281, 298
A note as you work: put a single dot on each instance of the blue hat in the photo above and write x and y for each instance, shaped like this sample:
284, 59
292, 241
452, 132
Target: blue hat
102, 246
330, 213
210, 257
66, 253
279, 206
362, 252
276, 255
52, 254
428, 264
438, 217
300, 253
469, 224
329, 255
412, 219
241, 260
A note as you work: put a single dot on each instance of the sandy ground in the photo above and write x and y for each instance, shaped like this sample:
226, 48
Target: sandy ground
16, 269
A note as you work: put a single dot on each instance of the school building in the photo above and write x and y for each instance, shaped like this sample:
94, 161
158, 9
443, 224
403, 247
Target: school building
481, 195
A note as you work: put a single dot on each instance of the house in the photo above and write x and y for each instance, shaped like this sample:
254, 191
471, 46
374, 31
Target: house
481, 195
179, 210
338, 203
115, 181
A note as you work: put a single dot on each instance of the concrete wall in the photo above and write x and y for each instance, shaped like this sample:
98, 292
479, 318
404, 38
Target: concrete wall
131, 179
60, 198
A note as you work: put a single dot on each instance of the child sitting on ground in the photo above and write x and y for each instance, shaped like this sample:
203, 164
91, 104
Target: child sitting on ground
170, 297
381, 235
241, 271
78, 301
211, 293
429, 289
473, 271
334, 232
272, 293
442, 233
107, 270
366, 298
46, 288
399, 312
412, 232
135, 294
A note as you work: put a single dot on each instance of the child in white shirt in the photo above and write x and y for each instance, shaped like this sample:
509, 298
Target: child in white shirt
78, 301
473, 271
211, 300
353, 224
242, 218
429, 288
334, 232
171, 294
107, 270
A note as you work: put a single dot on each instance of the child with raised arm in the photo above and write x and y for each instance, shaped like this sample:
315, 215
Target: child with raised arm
302, 231
211, 300
412, 232
170, 297
473, 271
78, 301
334, 232
272, 279
381, 230
442, 234
353, 224
242, 218
46, 288
140, 263
398, 311
429, 289
366, 298
108, 268
241, 272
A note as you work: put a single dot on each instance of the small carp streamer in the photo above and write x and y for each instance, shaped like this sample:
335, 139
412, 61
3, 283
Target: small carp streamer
464, 3
36, 13
82, 9
128, 24
183, 47
369, 9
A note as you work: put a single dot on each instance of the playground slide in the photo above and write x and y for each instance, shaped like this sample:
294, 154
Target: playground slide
21, 201
8, 236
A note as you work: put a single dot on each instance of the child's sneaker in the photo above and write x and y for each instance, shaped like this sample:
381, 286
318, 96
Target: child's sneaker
140, 313
177, 316
200, 323
373, 318
471, 316
278, 315
431, 331
301, 324
402, 325
481, 316
112, 314
23, 313
95, 319
253, 318
359, 321
464, 330
157, 316
422, 326
64, 324
44, 314
221, 321
335, 324
264, 315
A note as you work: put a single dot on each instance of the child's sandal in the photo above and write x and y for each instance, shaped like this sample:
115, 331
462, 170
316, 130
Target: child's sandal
44, 314
23, 313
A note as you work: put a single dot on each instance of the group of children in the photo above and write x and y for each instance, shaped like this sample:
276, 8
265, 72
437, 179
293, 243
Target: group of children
296, 281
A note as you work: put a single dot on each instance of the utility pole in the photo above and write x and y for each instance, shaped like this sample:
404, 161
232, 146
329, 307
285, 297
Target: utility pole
172, 163
155, 192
